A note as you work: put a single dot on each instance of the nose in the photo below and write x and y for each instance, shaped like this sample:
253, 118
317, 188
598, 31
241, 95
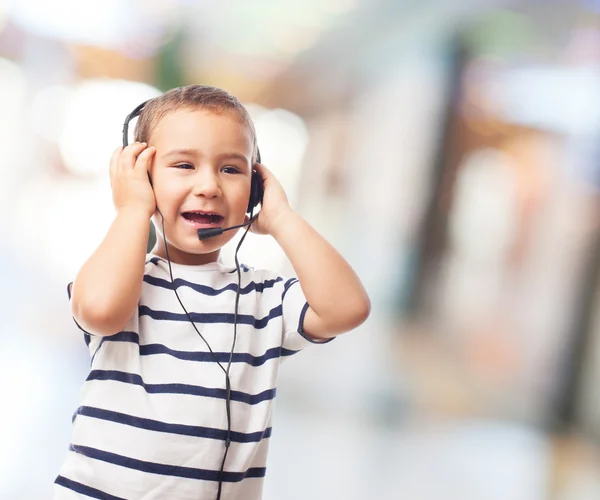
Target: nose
206, 183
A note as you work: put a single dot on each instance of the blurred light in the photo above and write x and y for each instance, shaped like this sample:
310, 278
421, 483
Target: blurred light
3, 14
565, 99
503, 33
15, 146
22, 409
583, 46
109, 23
283, 138
271, 29
593, 5
14, 88
484, 204
337, 6
296, 39
48, 111
94, 120
76, 216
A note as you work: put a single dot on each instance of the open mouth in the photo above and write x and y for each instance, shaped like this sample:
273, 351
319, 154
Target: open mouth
203, 218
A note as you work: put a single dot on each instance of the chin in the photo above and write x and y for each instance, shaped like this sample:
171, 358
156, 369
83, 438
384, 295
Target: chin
202, 247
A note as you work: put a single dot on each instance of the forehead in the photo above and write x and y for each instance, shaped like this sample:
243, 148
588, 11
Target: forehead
202, 129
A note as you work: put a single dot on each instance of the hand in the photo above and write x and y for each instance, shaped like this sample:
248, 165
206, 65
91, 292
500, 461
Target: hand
129, 178
275, 204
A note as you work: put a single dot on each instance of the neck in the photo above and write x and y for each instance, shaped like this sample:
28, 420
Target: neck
178, 256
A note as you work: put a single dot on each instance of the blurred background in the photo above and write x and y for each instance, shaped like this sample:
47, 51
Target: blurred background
449, 149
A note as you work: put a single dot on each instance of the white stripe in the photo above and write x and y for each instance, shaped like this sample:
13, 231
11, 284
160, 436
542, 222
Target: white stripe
176, 408
180, 335
168, 449
165, 369
129, 483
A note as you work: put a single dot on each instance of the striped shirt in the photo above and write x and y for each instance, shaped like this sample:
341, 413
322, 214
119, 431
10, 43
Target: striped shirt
152, 422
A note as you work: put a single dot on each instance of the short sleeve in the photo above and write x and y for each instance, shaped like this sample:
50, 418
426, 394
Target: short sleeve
294, 307
92, 341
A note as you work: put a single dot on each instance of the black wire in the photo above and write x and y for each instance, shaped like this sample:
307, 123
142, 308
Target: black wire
235, 316
129, 117
177, 295
227, 379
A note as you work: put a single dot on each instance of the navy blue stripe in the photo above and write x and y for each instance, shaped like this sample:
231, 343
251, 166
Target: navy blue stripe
222, 357
166, 470
193, 390
203, 356
301, 320
84, 490
288, 285
180, 429
212, 317
304, 334
124, 336
207, 290
288, 352
97, 349
86, 336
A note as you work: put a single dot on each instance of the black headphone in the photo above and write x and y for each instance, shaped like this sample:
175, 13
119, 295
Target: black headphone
256, 197
256, 185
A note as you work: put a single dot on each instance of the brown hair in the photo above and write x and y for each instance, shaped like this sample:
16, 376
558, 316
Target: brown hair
192, 96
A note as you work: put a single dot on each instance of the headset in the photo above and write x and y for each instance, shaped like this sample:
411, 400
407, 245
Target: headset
256, 198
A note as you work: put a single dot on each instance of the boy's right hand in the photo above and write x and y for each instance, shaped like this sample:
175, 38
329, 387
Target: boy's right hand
129, 178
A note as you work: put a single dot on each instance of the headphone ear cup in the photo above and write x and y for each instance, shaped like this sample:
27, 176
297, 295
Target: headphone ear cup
256, 192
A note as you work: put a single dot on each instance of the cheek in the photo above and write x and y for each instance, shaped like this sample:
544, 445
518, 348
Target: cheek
244, 192
240, 197
167, 193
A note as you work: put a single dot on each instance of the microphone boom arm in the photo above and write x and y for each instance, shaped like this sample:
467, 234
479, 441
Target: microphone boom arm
211, 232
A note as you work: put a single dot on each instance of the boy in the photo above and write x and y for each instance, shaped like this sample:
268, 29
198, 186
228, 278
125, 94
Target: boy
161, 417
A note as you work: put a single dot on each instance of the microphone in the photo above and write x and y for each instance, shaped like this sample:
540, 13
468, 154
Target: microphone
211, 232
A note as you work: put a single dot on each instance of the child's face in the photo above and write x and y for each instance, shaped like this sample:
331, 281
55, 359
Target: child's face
201, 177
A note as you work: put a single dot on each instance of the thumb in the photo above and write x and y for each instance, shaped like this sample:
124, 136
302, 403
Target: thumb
144, 160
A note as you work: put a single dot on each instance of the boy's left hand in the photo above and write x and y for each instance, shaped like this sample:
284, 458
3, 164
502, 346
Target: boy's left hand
274, 206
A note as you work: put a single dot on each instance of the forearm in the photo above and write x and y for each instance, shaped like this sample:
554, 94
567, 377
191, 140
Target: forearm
106, 290
332, 288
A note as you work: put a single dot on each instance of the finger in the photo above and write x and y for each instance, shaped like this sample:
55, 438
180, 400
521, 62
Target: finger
130, 154
114, 161
263, 171
144, 160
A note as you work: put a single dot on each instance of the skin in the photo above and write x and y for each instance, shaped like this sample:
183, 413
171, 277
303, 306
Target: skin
214, 174
202, 178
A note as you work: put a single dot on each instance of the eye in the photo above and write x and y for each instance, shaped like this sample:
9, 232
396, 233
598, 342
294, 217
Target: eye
230, 170
185, 166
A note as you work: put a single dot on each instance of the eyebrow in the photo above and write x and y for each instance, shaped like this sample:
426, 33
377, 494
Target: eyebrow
193, 152
183, 152
233, 156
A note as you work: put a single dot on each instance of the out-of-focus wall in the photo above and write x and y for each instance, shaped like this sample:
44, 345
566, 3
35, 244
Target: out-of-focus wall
447, 149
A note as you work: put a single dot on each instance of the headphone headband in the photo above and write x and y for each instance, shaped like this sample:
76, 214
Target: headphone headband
128, 118
137, 110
